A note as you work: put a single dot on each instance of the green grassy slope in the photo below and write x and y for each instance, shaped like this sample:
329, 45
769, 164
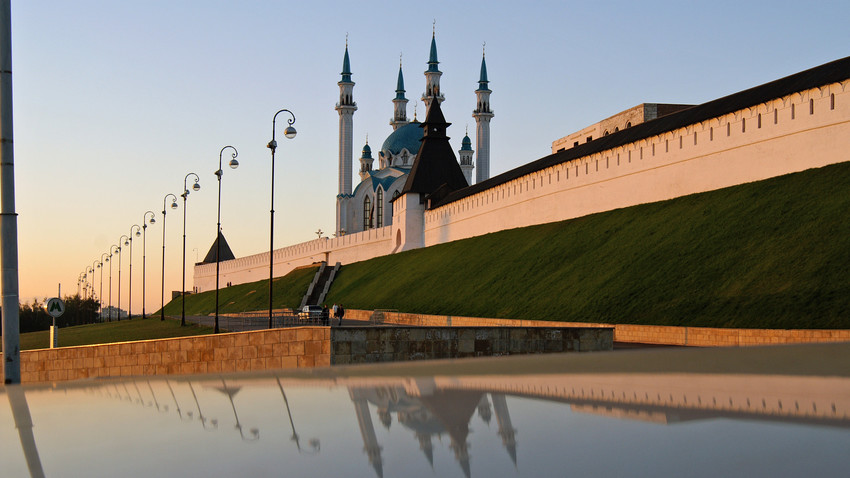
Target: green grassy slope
288, 291
771, 254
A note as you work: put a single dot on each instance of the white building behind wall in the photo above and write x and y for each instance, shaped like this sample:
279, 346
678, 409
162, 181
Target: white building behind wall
786, 126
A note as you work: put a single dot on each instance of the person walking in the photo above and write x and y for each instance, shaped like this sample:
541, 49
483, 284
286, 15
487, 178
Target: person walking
341, 312
325, 319
335, 311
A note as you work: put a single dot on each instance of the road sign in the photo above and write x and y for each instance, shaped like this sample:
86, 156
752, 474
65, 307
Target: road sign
55, 307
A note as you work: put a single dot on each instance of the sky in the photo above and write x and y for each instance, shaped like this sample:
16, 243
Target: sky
116, 102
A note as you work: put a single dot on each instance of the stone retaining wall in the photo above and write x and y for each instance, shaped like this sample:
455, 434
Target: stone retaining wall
646, 334
242, 351
398, 344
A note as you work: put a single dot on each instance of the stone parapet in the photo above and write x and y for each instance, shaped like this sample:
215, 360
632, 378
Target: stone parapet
646, 334
398, 344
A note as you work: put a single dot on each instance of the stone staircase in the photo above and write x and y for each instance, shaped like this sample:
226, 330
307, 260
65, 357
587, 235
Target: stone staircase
320, 285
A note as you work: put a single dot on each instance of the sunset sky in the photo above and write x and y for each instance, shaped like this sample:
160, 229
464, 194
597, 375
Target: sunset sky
115, 102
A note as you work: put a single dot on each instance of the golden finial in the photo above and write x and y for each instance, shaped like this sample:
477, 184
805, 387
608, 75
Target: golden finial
346, 40
414, 110
483, 49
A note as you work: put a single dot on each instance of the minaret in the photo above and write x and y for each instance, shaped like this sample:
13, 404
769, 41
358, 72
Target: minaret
399, 102
482, 115
346, 108
465, 158
506, 429
432, 76
366, 161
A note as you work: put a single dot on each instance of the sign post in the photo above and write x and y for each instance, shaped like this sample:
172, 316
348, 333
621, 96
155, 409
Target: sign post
55, 308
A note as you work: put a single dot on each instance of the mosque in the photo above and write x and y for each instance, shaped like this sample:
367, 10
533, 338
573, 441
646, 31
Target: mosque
370, 204
420, 193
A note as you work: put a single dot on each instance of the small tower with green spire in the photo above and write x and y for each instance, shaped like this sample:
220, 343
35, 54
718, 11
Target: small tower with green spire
346, 108
465, 158
399, 102
366, 161
482, 115
432, 75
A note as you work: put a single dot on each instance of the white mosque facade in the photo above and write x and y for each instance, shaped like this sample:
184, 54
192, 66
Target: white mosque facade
414, 198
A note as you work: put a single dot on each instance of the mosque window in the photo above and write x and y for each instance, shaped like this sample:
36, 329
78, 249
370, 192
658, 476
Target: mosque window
832, 101
379, 200
629, 124
367, 213
811, 106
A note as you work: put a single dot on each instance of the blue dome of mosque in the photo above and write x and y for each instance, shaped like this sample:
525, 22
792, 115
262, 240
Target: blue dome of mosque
407, 137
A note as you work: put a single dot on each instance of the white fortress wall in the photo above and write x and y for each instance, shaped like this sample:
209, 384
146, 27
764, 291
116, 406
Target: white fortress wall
345, 249
804, 130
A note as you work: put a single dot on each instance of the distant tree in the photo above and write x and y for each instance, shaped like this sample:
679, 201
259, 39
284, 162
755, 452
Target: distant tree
78, 311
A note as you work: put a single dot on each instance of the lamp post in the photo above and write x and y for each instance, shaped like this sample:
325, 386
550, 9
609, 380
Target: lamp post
185, 196
173, 206
144, 251
100, 266
289, 132
110, 278
122, 238
130, 289
233, 165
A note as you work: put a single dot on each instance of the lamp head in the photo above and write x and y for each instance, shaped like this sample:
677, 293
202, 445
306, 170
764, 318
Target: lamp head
196, 186
153, 220
233, 163
290, 132
174, 203
138, 233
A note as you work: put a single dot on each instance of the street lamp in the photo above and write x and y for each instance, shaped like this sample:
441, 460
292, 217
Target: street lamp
118, 249
144, 251
233, 165
122, 238
130, 291
173, 206
289, 132
185, 196
100, 266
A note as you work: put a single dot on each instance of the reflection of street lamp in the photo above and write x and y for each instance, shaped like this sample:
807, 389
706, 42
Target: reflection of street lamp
155, 401
174, 397
315, 446
233, 165
231, 392
130, 289
289, 132
144, 251
185, 196
213, 422
173, 206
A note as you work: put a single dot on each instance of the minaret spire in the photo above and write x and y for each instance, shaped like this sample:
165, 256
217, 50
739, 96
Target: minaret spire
465, 157
482, 115
346, 108
399, 102
432, 74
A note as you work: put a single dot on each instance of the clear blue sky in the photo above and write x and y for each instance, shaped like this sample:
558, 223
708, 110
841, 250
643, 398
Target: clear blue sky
115, 102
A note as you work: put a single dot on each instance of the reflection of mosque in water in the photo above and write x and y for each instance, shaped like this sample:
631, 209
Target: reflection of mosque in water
441, 413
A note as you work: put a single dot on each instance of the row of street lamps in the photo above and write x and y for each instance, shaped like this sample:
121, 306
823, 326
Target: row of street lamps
290, 133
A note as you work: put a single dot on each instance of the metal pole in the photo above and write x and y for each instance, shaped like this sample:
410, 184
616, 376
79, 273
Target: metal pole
144, 252
130, 288
289, 133
219, 173
162, 306
119, 275
185, 196
8, 217
101, 284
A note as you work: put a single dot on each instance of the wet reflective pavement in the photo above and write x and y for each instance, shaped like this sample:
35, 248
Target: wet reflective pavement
770, 411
